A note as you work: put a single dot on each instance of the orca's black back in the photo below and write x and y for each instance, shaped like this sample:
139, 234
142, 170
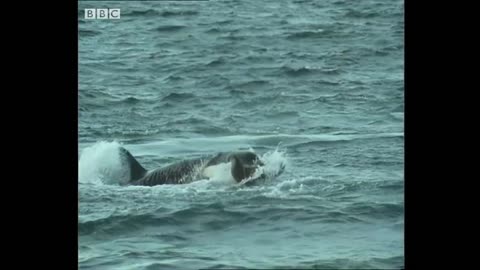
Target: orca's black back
178, 173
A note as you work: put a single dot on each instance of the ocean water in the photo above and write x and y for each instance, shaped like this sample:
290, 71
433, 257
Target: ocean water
317, 85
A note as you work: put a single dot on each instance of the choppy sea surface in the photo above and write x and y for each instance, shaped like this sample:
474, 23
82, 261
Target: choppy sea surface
318, 85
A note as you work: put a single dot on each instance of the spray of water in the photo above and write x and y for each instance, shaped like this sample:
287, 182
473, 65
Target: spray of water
101, 163
274, 162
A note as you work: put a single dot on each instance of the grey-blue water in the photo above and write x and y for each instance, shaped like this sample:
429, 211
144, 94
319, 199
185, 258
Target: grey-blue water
318, 84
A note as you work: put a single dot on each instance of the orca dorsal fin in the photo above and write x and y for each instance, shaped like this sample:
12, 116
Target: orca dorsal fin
136, 170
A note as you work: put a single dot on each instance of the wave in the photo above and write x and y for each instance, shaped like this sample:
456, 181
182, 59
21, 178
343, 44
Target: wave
130, 100
252, 84
305, 70
88, 33
364, 14
165, 13
221, 215
178, 97
214, 30
264, 140
170, 28
216, 62
190, 120
171, 13
206, 215
392, 262
372, 210
141, 13
332, 138
313, 34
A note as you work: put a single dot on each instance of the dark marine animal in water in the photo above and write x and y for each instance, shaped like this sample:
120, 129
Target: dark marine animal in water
243, 166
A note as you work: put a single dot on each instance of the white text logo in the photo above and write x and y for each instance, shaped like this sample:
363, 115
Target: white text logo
102, 13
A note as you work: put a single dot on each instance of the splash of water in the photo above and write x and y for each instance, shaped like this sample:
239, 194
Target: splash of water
274, 162
101, 163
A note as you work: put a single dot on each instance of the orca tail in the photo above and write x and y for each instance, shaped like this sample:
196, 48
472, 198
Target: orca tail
136, 170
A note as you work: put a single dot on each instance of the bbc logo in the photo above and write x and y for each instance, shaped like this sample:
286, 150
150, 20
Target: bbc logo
102, 13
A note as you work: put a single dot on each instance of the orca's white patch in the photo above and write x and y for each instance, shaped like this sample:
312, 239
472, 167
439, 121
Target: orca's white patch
220, 171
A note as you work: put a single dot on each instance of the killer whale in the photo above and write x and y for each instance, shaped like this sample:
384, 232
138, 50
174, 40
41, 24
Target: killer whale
243, 166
